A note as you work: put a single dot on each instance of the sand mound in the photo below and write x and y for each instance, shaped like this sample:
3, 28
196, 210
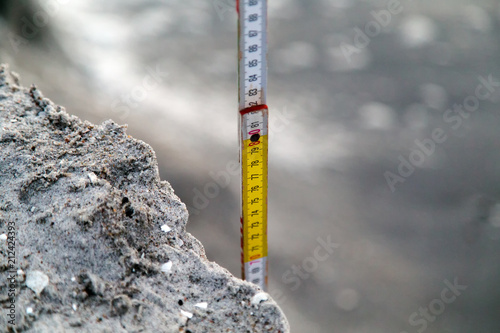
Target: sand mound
91, 240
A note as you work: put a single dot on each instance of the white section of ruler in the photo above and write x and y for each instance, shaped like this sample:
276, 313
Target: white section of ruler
252, 53
256, 271
255, 120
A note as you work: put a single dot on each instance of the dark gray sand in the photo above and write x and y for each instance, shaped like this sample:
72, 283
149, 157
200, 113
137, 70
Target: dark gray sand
100, 240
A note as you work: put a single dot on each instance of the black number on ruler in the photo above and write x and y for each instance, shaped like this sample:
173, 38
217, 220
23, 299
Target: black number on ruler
254, 150
253, 48
255, 188
256, 281
254, 176
254, 163
253, 33
253, 78
255, 224
253, 17
254, 201
252, 92
253, 2
253, 63
255, 236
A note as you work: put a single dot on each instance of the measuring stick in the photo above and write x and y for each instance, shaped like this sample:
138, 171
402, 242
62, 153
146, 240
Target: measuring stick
253, 125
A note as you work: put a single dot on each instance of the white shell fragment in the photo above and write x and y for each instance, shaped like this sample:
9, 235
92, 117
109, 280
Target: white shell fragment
74, 307
92, 177
37, 281
259, 297
3, 237
187, 314
29, 310
202, 305
165, 228
166, 267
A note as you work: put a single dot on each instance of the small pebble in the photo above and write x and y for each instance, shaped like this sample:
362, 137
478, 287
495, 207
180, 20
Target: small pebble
3, 237
121, 304
74, 307
259, 297
165, 228
187, 314
29, 310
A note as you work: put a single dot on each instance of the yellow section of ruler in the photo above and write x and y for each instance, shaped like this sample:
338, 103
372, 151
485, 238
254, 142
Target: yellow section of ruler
254, 181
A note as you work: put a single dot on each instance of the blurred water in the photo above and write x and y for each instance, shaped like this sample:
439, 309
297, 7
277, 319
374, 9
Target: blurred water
338, 124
